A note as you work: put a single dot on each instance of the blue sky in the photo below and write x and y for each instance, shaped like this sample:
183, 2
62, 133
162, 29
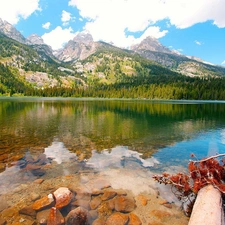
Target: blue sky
194, 28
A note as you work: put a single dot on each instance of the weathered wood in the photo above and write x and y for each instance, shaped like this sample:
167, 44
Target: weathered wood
208, 209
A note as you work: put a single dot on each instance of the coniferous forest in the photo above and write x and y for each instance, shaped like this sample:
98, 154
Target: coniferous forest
143, 86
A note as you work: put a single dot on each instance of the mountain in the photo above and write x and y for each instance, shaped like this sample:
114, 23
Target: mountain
34, 39
77, 49
10, 31
152, 49
151, 44
98, 69
31, 66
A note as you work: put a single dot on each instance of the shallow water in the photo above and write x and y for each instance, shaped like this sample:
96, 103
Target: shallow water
47, 138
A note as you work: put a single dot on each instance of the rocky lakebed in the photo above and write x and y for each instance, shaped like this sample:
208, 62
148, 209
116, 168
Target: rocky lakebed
36, 189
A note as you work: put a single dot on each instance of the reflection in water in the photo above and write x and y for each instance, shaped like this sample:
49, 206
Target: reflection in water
145, 131
47, 143
117, 158
59, 153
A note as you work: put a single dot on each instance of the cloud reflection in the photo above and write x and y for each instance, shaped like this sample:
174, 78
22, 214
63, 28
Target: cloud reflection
59, 153
117, 158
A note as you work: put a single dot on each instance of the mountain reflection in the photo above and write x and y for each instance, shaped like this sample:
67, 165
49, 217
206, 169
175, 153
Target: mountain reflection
84, 126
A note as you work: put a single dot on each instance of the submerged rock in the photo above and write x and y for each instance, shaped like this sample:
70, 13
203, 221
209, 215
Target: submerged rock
55, 217
63, 197
124, 204
47, 201
117, 219
28, 210
42, 216
95, 202
134, 220
108, 194
78, 216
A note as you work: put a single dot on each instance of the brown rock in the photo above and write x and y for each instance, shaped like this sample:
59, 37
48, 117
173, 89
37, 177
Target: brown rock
93, 214
142, 199
38, 172
117, 219
42, 216
2, 167
34, 196
2, 221
44, 202
63, 197
111, 203
9, 213
96, 191
78, 216
124, 204
81, 193
104, 211
108, 194
134, 220
95, 202
101, 183
121, 192
4, 204
55, 217
38, 181
32, 167
160, 213
28, 210
168, 205
99, 221
80, 202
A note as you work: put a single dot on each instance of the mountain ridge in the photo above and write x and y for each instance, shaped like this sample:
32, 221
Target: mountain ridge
84, 63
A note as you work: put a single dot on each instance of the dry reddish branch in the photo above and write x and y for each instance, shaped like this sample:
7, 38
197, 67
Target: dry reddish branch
202, 172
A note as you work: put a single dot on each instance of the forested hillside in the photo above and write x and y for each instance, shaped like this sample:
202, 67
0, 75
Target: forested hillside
110, 72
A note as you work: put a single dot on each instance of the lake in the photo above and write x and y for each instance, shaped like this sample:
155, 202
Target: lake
124, 141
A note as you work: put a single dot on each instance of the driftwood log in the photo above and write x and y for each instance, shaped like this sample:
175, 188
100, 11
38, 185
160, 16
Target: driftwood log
208, 208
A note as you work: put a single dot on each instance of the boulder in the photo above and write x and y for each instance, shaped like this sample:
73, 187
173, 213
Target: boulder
45, 202
108, 194
134, 220
117, 219
78, 216
124, 204
63, 197
28, 210
95, 202
55, 217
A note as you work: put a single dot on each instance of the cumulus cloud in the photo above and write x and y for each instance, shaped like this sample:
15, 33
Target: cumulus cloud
110, 19
46, 25
13, 10
66, 17
58, 37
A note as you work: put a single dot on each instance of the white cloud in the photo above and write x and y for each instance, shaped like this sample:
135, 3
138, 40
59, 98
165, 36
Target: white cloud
223, 63
109, 19
198, 42
66, 17
46, 25
58, 37
13, 10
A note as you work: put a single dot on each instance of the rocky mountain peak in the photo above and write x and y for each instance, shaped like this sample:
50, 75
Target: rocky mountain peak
79, 48
83, 37
10, 31
151, 44
34, 39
